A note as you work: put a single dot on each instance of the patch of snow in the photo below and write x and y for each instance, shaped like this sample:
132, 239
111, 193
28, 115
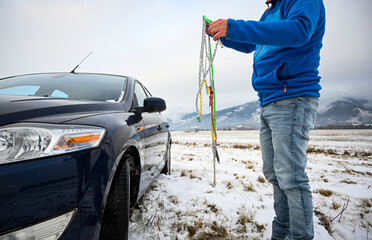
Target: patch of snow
256, 115
363, 114
221, 119
185, 205
239, 109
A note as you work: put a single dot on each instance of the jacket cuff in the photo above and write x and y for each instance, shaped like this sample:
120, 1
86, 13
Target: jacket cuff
230, 32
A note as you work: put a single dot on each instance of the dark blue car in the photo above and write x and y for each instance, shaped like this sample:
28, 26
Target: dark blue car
76, 153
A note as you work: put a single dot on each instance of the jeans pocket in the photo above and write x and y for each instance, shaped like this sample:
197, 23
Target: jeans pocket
309, 121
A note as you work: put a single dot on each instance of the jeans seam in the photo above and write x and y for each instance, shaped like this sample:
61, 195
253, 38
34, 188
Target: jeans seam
304, 127
304, 207
295, 117
292, 143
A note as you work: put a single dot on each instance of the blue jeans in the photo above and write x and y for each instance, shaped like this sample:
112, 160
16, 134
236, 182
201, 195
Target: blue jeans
284, 136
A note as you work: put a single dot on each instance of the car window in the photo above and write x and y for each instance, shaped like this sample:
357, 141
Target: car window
20, 90
97, 87
139, 95
59, 94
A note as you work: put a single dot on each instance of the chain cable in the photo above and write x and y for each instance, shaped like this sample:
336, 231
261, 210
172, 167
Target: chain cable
206, 60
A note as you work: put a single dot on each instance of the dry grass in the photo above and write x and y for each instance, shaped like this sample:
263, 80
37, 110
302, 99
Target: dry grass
189, 173
248, 218
261, 179
324, 192
335, 205
260, 227
245, 218
229, 185
218, 232
344, 154
193, 176
365, 202
213, 207
353, 172
324, 221
173, 199
248, 187
248, 146
183, 173
249, 165
348, 181
193, 228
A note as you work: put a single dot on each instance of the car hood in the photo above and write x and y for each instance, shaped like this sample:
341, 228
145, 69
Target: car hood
15, 109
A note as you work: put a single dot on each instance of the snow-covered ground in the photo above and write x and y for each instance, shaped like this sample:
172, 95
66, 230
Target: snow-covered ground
184, 205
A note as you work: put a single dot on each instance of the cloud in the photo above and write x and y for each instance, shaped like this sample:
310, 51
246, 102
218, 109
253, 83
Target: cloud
158, 41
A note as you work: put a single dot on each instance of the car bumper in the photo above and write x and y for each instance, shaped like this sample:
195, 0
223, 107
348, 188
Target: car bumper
33, 192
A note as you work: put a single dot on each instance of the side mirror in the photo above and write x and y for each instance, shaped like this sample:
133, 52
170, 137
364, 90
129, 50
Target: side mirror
153, 104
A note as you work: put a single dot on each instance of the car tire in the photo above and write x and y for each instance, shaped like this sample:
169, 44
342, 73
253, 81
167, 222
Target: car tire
115, 222
167, 168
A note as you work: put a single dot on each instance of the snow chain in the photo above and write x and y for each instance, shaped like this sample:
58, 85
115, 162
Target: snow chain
206, 69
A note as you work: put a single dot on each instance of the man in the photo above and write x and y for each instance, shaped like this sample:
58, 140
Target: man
287, 42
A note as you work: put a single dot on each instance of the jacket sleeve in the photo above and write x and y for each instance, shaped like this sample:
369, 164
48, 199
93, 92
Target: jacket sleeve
241, 47
299, 24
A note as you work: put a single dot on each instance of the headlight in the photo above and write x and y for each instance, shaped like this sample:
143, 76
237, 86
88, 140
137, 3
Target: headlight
50, 229
28, 141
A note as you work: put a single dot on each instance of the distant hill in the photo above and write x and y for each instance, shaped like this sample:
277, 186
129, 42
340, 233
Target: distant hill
346, 112
343, 112
242, 115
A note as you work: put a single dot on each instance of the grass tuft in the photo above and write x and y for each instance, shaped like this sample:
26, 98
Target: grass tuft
335, 205
261, 179
183, 173
248, 187
213, 207
348, 181
365, 203
324, 192
192, 229
324, 221
229, 185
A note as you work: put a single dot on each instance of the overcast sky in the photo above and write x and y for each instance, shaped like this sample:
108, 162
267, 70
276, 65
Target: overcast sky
158, 42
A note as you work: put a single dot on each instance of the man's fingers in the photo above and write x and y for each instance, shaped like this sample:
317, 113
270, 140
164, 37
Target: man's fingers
217, 36
218, 29
213, 29
216, 33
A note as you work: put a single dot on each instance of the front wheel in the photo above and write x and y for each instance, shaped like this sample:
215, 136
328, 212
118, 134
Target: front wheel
115, 222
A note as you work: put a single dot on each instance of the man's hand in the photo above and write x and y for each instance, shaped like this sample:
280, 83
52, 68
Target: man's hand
217, 29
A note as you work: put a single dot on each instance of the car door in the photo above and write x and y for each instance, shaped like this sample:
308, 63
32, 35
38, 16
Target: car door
156, 135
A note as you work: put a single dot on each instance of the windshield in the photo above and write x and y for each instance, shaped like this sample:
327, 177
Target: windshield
73, 86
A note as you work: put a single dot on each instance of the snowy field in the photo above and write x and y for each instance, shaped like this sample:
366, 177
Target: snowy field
184, 205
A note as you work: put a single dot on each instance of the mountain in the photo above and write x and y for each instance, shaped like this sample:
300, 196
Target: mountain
245, 116
348, 111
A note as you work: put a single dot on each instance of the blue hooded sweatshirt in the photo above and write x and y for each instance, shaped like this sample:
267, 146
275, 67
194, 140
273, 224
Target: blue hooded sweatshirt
287, 42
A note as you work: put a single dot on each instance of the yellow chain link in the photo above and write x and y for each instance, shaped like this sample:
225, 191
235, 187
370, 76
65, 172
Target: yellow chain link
201, 98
